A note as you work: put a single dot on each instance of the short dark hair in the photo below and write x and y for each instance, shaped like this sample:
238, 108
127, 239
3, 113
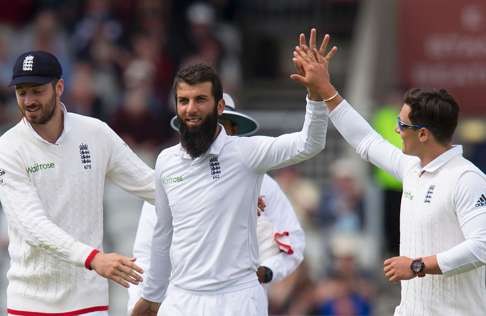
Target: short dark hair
199, 73
436, 110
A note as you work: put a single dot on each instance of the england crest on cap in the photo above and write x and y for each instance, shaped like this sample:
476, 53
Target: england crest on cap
28, 63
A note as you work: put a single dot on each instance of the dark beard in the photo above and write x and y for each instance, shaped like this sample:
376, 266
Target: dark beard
48, 114
196, 141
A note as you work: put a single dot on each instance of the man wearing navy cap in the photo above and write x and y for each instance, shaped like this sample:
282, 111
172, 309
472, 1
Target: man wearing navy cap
53, 167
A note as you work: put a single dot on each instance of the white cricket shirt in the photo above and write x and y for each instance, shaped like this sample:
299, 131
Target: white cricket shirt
52, 195
206, 207
443, 213
278, 211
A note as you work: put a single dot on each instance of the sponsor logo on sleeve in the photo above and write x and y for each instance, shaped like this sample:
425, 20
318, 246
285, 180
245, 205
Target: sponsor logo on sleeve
481, 201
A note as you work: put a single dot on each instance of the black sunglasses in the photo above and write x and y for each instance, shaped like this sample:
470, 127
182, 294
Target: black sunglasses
402, 125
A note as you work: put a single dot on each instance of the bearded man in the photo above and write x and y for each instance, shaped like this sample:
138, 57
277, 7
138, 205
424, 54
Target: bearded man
204, 250
53, 169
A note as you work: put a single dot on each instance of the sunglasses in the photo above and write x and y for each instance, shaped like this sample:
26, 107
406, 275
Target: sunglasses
402, 125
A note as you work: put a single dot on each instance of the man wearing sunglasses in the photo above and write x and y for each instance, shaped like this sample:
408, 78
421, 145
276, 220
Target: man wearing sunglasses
443, 211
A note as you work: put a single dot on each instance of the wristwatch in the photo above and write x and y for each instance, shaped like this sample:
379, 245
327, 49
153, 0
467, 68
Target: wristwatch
418, 267
267, 274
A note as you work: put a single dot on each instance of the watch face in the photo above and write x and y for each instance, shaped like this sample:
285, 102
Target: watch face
417, 266
268, 275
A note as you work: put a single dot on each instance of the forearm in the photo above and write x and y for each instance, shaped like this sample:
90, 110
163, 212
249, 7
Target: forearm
365, 140
431, 265
458, 259
142, 248
266, 153
27, 217
309, 141
157, 277
143, 238
128, 171
282, 265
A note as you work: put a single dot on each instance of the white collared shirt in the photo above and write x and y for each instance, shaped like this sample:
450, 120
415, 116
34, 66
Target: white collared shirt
206, 207
52, 195
278, 211
442, 214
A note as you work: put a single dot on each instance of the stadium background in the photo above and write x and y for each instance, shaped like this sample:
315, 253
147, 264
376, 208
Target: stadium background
119, 58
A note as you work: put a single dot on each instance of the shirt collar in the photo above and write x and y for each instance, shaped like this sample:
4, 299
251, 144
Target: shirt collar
65, 130
441, 160
215, 147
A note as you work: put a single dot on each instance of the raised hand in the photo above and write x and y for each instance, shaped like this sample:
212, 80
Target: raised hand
312, 66
313, 42
118, 268
315, 73
312, 45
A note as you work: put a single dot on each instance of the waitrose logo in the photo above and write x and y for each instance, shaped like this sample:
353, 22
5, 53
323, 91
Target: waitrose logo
171, 180
40, 166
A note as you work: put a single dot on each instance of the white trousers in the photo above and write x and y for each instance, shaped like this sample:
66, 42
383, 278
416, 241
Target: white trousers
251, 301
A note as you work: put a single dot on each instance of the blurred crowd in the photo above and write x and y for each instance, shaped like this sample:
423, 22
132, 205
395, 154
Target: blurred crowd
119, 57
332, 279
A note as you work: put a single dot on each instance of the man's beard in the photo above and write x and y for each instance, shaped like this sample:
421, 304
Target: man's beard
46, 114
197, 140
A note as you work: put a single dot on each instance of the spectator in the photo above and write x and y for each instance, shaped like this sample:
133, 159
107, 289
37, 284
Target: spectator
342, 204
139, 127
292, 294
82, 97
347, 290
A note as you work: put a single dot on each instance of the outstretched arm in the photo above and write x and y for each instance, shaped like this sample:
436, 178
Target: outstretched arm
266, 153
312, 66
350, 124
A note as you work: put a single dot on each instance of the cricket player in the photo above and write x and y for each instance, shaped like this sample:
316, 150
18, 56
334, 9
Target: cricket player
53, 168
443, 210
204, 250
281, 240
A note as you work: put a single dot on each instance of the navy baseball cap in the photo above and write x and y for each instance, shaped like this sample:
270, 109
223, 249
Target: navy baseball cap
36, 67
